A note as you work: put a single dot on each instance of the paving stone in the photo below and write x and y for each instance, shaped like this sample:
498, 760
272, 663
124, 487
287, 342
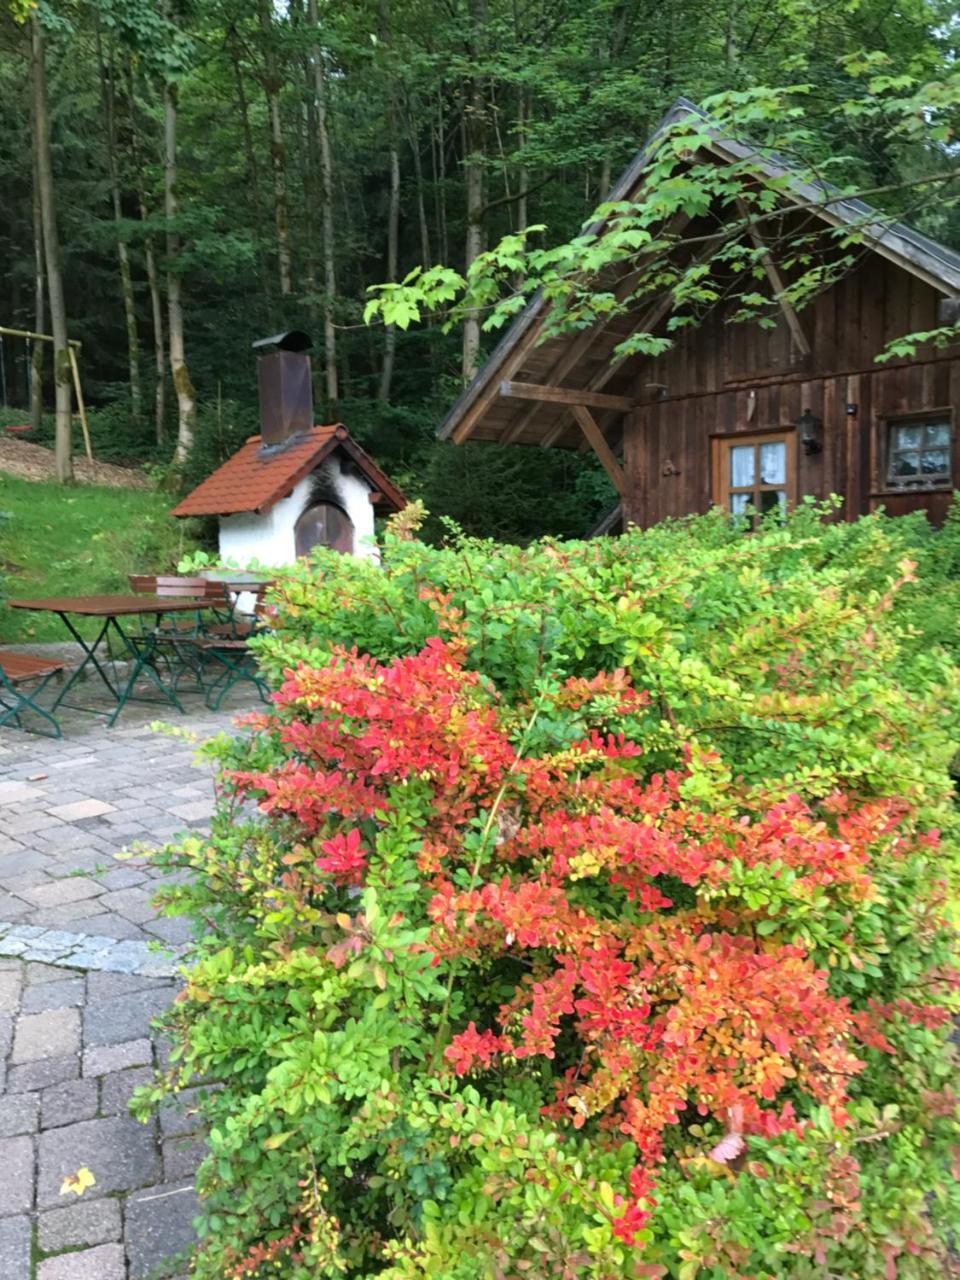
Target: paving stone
87, 1222
10, 984
58, 892
117, 1089
107, 924
105, 1262
16, 1176
28, 823
174, 930
6, 1034
105, 986
18, 1114
43, 973
72, 916
68, 1102
104, 1059
194, 810
15, 1248
13, 792
123, 1018
81, 809
121, 878
40, 1075
119, 1152
51, 1034
53, 995
159, 1226
135, 904
21, 860
182, 1157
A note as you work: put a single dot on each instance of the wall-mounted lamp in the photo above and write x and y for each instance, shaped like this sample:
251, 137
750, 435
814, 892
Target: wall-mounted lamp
669, 469
811, 432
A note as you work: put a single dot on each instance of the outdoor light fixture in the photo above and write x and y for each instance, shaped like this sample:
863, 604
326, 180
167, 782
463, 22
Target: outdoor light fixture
811, 433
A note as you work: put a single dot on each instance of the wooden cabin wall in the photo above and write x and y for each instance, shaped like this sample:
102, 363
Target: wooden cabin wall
667, 443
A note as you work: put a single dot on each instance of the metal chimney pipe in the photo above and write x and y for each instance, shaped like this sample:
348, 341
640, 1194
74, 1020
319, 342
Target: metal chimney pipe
285, 386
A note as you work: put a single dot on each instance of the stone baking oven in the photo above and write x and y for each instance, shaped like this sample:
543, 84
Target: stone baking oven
296, 485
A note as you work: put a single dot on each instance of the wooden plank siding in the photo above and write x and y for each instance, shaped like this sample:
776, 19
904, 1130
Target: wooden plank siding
723, 379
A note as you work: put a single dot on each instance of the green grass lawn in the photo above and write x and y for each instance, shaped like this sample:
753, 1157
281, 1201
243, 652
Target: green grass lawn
78, 540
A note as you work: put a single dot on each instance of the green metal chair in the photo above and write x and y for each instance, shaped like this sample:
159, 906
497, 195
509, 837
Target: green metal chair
23, 678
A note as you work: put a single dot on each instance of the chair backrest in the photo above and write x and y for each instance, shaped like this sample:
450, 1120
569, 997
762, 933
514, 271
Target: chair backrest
206, 589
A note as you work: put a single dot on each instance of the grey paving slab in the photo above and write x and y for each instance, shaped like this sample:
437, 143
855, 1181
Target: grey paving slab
120, 1153
53, 995
40, 1075
54, 1033
19, 1113
88, 1222
159, 1227
118, 1088
16, 1176
104, 1059
105, 1262
123, 1018
68, 1103
15, 1247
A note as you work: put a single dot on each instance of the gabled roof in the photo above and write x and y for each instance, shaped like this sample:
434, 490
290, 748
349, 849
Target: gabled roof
518, 354
255, 480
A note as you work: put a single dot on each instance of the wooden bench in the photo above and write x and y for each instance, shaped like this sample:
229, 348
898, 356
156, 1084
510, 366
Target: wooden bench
23, 678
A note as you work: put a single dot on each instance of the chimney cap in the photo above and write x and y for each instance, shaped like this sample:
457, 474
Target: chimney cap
291, 340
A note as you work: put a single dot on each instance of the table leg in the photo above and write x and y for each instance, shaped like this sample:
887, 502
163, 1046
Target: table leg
144, 650
89, 660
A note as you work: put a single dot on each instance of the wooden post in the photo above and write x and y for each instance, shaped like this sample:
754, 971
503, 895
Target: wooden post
81, 408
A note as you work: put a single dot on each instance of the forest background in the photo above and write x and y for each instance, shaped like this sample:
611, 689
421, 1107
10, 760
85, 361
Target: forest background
222, 169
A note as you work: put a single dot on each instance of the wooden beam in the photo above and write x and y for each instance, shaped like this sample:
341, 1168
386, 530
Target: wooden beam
81, 407
511, 364
600, 447
776, 280
39, 337
564, 395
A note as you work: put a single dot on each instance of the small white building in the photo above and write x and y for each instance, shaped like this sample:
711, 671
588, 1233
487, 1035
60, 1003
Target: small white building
295, 486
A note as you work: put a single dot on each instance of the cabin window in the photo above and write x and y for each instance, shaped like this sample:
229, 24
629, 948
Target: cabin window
324, 525
754, 471
918, 453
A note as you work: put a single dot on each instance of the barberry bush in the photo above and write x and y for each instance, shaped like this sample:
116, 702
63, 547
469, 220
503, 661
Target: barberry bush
584, 910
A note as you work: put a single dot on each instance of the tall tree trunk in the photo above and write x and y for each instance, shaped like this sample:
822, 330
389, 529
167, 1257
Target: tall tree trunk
123, 254
326, 208
153, 279
278, 157
393, 230
253, 165
473, 156
39, 313
63, 459
186, 396
523, 177
425, 255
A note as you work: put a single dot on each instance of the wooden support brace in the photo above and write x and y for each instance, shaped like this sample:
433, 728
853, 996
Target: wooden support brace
600, 447
776, 280
564, 395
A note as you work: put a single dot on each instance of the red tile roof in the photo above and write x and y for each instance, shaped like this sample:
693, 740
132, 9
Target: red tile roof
251, 481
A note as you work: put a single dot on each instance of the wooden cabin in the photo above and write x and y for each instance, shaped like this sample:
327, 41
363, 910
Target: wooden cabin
736, 413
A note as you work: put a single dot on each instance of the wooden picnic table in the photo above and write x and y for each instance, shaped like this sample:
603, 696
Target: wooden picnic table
110, 609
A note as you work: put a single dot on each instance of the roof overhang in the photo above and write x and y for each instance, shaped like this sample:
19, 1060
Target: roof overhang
523, 359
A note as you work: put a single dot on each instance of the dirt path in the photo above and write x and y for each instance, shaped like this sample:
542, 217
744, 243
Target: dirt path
34, 462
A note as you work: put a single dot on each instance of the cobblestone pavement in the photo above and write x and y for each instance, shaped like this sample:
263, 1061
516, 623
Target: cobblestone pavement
81, 978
